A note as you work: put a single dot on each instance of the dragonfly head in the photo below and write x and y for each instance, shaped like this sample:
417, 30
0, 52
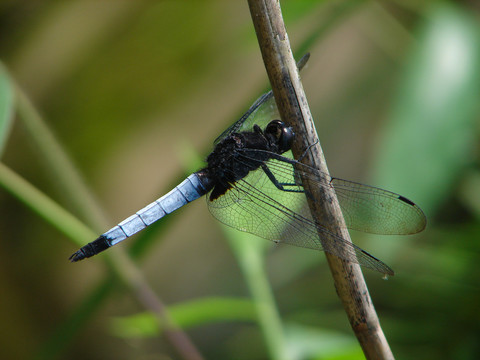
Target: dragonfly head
282, 135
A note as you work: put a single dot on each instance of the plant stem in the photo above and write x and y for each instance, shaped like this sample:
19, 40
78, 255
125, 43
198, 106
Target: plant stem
251, 259
293, 107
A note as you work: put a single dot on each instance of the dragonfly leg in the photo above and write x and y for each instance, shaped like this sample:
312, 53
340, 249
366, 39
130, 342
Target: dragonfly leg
279, 185
306, 150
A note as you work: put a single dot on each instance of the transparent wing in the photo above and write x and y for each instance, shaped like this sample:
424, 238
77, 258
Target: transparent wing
365, 208
263, 110
377, 211
256, 205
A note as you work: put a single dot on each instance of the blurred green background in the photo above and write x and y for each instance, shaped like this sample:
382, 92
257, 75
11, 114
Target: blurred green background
136, 91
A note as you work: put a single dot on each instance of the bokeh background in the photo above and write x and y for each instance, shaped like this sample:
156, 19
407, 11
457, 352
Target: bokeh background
134, 92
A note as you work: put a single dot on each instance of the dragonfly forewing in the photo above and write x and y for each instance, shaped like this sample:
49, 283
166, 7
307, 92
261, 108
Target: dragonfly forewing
365, 208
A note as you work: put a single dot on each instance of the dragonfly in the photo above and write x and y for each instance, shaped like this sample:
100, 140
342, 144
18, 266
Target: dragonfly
252, 182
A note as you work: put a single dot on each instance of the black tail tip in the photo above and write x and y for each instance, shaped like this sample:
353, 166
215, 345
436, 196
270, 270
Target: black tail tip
93, 248
77, 256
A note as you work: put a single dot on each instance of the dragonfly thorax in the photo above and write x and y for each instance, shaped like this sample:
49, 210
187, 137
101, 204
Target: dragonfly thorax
238, 154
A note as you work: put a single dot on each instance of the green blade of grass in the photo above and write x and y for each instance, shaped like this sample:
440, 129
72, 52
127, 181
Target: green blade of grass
249, 252
45, 207
6, 106
58, 164
187, 315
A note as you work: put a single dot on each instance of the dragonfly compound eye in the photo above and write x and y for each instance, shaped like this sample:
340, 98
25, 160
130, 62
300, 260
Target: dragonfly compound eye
282, 134
286, 139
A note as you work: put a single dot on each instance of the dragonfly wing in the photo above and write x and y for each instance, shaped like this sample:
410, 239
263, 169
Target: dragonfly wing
365, 208
373, 210
263, 110
255, 205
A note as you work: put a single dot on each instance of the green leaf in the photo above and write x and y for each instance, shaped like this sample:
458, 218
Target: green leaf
186, 315
312, 343
6, 106
430, 135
